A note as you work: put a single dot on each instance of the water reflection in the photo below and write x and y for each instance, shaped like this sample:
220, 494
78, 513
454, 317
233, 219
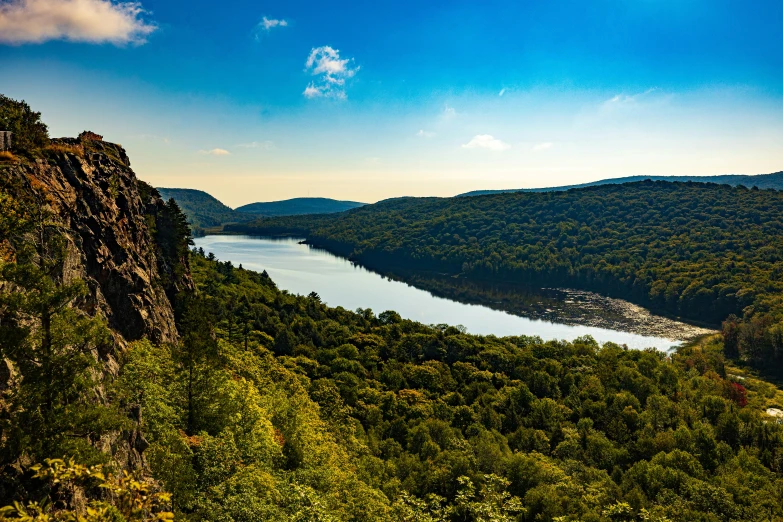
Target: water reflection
301, 269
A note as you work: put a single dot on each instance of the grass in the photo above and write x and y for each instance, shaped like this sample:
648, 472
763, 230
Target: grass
76, 150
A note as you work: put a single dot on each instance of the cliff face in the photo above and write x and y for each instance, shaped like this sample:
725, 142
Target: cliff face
109, 217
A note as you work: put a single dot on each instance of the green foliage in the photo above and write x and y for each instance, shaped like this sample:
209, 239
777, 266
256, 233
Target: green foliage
695, 250
119, 499
314, 413
170, 231
762, 181
49, 342
203, 210
30, 134
272, 406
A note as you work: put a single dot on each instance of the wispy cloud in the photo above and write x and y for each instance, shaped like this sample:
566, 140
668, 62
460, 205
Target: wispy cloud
542, 146
425, 134
216, 152
331, 70
448, 114
486, 141
502, 92
265, 145
267, 25
91, 21
625, 99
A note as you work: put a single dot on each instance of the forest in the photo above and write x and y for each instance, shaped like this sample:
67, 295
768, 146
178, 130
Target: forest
704, 252
266, 405
203, 211
276, 407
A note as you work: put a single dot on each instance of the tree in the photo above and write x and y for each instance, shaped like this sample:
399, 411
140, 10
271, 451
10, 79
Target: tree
196, 354
731, 337
30, 134
51, 343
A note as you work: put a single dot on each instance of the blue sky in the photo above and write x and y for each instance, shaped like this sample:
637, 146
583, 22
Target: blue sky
256, 101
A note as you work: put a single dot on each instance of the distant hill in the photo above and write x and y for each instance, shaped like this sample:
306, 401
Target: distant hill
299, 206
205, 211
762, 181
202, 209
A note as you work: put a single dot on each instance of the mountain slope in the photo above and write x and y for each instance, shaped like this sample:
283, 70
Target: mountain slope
298, 206
101, 205
697, 250
203, 210
762, 181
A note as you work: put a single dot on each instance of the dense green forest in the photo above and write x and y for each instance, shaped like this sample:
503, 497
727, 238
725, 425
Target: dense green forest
704, 252
276, 407
372, 417
762, 181
202, 209
271, 406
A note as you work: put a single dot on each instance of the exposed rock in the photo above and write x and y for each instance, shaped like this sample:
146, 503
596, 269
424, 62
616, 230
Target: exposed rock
7, 375
89, 136
99, 199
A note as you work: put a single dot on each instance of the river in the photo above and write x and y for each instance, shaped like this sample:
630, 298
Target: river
301, 269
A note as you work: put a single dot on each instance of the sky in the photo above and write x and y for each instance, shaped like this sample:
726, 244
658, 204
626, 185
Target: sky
261, 101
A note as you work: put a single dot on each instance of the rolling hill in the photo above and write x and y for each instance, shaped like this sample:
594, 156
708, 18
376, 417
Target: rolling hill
202, 209
205, 211
762, 181
298, 206
701, 251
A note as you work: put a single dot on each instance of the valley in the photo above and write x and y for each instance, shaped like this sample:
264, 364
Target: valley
499, 310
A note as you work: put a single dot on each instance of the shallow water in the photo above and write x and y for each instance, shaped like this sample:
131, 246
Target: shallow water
301, 269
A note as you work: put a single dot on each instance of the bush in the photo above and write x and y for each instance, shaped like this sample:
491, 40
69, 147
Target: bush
30, 134
76, 150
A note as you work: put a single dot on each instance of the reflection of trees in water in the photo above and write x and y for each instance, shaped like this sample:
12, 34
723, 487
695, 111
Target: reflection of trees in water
557, 305
565, 306
548, 304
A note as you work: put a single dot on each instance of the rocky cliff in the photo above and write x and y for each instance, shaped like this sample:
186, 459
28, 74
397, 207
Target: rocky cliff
111, 220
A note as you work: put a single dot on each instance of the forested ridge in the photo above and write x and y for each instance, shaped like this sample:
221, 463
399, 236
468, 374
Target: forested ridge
264, 405
202, 209
364, 416
704, 252
762, 181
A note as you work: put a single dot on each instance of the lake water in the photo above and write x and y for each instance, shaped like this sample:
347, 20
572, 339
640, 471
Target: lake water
301, 269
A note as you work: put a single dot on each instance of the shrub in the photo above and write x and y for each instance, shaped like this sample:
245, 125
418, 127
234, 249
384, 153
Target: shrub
30, 134
76, 150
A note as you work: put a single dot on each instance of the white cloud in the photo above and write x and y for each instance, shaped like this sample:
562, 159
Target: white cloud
425, 134
486, 141
542, 146
449, 112
266, 24
311, 91
216, 152
265, 145
624, 99
332, 71
92, 21
502, 92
